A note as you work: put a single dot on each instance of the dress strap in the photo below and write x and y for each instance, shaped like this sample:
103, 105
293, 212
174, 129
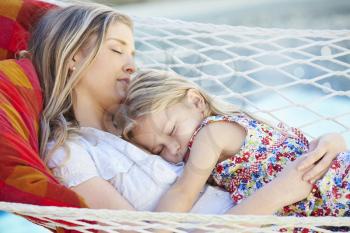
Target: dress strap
297, 133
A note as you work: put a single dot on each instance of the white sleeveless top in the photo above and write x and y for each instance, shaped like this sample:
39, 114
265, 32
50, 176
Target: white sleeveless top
141, 178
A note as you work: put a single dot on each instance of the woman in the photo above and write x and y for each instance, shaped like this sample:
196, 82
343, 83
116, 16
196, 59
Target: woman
84, 58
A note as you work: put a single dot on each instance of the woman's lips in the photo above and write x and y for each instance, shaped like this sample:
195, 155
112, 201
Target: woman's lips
125, 80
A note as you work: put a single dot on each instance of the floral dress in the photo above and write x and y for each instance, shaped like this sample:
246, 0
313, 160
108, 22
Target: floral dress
264, 153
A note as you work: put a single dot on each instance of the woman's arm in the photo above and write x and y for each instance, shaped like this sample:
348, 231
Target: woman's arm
99, 194
213, 140
81, 169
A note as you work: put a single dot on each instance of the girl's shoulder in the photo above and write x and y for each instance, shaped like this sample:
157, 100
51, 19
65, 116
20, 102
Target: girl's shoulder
222, 130
239, 118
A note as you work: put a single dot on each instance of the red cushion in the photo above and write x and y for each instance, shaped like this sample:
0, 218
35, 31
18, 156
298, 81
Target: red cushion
24, 178
17, 17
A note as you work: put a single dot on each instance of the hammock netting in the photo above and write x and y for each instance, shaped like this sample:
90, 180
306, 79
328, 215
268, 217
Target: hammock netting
299, 77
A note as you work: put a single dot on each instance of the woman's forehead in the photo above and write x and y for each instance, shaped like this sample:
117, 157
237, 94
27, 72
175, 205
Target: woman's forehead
122, 33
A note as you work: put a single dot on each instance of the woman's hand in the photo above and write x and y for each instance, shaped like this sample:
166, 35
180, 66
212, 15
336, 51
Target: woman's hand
321, 153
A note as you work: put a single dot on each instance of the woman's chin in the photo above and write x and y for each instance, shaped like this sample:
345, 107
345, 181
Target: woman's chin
120, 97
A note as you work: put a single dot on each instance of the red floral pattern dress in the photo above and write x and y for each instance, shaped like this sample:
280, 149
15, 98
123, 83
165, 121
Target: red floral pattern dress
264, 153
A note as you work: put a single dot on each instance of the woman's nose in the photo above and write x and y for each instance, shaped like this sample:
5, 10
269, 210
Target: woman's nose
130, 67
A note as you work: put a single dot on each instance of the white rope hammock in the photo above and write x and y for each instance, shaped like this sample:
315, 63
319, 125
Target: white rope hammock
298, 76
137, 221
293, 76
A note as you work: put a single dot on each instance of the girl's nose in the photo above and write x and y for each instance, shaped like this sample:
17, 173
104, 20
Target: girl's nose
173, 147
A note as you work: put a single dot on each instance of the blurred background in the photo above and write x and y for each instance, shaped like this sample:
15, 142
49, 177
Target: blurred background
297, 14
301, 14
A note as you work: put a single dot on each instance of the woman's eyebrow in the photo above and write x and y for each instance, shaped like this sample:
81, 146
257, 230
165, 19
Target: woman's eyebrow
117, 39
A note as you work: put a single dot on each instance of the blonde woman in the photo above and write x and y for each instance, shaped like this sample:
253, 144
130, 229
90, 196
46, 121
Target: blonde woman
174, 118
84, 56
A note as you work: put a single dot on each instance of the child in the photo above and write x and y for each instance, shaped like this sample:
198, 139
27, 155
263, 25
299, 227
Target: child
170, 116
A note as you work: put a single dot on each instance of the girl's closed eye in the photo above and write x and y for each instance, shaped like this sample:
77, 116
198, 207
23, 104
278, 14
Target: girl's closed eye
172, 131
160, 149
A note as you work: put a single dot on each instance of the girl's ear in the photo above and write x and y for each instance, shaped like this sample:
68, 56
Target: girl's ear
195, 99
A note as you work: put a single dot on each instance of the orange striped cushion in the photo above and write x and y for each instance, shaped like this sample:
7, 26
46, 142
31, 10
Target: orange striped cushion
17, 17
24, 177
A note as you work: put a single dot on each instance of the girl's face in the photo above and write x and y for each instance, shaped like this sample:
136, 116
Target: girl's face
106, 79
168, 132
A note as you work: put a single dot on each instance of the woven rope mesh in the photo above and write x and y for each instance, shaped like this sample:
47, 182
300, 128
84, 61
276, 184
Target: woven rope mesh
298, 77
86, 220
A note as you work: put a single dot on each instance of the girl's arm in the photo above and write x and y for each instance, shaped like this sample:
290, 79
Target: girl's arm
99, 194
222, 137
290, 185
210, 142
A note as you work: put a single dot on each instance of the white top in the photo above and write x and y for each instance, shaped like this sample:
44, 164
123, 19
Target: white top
141, 178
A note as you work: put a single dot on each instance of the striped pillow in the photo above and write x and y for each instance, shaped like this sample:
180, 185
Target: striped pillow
17, 17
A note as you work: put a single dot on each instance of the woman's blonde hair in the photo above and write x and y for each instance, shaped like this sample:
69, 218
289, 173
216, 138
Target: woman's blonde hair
57, 37
155, 90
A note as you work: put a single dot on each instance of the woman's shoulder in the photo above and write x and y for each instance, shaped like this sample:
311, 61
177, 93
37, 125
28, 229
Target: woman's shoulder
57, 154
85, 142
78, 145
105, 153
71, 162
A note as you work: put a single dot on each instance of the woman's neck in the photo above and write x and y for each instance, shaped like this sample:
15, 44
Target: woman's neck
88, 113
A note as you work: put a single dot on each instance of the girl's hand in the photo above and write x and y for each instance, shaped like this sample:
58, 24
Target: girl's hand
321, 153
287, 188
289, 185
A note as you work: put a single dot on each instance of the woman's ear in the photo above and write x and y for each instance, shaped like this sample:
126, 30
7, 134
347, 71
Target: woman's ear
73, 63
195, 99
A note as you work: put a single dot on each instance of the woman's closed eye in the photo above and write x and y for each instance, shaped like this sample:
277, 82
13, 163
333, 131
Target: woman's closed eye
117, 51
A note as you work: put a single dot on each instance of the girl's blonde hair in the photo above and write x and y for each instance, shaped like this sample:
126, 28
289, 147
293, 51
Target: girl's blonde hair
57, 37
155, 90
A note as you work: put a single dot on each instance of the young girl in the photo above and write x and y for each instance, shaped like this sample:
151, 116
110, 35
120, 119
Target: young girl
170, 116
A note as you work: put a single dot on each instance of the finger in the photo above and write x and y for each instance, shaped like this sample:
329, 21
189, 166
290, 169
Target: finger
312, 157
319, 169
313, 144
305, 169
317, 177
314, 179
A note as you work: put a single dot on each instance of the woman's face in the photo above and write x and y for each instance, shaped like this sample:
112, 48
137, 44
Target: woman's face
106, 79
